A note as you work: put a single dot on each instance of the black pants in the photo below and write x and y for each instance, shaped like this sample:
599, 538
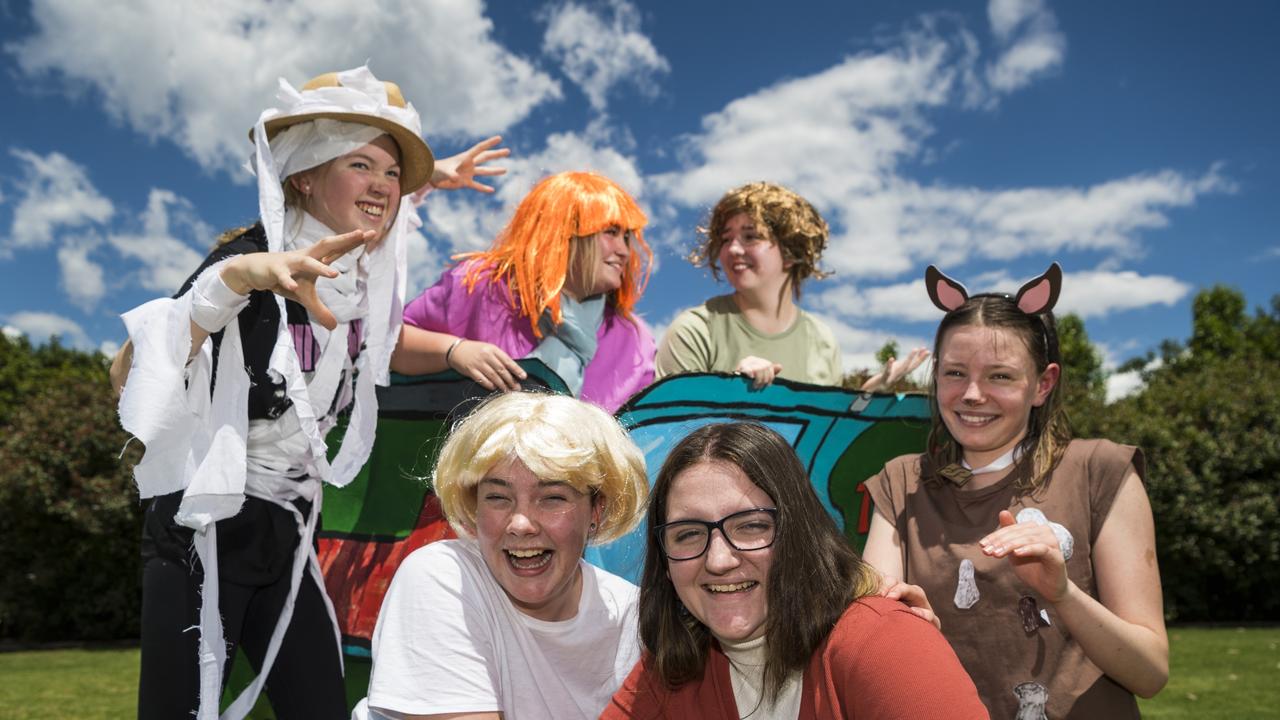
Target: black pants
255, 555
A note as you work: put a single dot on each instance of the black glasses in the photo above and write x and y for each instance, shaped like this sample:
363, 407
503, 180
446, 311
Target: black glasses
745, 530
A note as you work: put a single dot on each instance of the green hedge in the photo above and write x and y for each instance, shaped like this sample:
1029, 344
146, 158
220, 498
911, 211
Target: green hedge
69, 513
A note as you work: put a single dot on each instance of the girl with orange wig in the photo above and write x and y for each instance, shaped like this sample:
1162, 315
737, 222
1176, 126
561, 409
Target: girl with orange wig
560, 283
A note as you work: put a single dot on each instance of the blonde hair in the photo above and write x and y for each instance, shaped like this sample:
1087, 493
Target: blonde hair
780, 214
535, 251
557, 438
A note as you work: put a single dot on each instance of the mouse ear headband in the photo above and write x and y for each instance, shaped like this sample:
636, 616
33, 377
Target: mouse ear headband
1036, 296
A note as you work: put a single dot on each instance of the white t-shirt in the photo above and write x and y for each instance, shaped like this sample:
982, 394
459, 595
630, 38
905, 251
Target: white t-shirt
449, 640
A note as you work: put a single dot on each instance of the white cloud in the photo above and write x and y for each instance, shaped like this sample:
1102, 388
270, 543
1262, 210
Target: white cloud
40, 326
109, 347
1090, 293
598, 53
860, 344
426, 260
1098, 293
198, 74
11, 332
907, 302
54, 193
831, 136
1031, 44
1122, 385
57, 195
908, 225
166, 260
82, 277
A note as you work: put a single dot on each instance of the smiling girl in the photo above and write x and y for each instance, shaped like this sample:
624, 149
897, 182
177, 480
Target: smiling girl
1036, 552
768, 241
509, 620
234, 383
753, 605
559, 284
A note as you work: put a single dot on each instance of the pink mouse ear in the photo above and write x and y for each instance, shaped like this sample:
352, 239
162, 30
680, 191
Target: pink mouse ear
946, 294
1041, 294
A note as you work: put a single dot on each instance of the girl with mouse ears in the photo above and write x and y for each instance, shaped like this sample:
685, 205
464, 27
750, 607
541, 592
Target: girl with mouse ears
1034, 551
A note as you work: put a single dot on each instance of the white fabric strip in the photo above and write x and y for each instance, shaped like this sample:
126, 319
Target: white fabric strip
315, 142
213, 304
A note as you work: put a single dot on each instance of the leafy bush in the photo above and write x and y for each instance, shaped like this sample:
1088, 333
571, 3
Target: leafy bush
69, 513
1209, 421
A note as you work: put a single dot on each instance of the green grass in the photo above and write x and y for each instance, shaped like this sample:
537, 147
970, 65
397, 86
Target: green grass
88, 684
1225, 673
1216, 674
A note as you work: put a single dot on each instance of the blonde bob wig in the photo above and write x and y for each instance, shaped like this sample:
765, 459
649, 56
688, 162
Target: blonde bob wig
558, 438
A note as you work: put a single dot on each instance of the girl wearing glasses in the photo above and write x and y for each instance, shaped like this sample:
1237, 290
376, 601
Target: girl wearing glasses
508, 620
752, 604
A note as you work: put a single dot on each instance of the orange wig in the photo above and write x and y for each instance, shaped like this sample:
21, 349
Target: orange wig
533, 252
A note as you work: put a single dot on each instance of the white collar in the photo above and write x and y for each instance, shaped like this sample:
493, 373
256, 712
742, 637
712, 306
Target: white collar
998, 464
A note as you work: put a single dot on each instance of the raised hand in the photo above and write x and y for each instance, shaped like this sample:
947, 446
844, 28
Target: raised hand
487, 364
761, 371
910, 595
461, 170
894, 370
1034, 553
293, 274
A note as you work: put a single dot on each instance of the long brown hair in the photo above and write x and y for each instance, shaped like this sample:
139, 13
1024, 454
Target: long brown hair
813, 577
1048, 429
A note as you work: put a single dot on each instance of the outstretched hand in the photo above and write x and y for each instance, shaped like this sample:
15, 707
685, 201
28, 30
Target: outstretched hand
894, 370
1034, 552
910, 595
293, 274
761, 371
461, 170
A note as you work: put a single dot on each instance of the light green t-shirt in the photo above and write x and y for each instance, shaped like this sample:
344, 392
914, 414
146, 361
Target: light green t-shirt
715, 337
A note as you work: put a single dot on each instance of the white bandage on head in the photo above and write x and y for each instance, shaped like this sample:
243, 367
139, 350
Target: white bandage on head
316, 142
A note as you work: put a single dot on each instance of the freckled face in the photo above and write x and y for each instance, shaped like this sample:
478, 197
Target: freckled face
987, 387
751, 260
725, 588
357, 191
531, 533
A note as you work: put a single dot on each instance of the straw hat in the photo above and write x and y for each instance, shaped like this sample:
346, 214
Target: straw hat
395, 117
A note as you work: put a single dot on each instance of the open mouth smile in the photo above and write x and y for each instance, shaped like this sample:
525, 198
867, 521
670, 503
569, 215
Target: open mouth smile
529, 559
370, 209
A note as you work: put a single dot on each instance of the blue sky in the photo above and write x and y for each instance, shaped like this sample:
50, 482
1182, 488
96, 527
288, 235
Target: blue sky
1134, 142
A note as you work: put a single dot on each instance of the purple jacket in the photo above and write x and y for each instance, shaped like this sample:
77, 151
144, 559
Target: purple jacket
622, 366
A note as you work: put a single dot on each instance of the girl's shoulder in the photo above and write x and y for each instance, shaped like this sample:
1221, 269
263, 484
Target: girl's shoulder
1100, 457
904, 468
